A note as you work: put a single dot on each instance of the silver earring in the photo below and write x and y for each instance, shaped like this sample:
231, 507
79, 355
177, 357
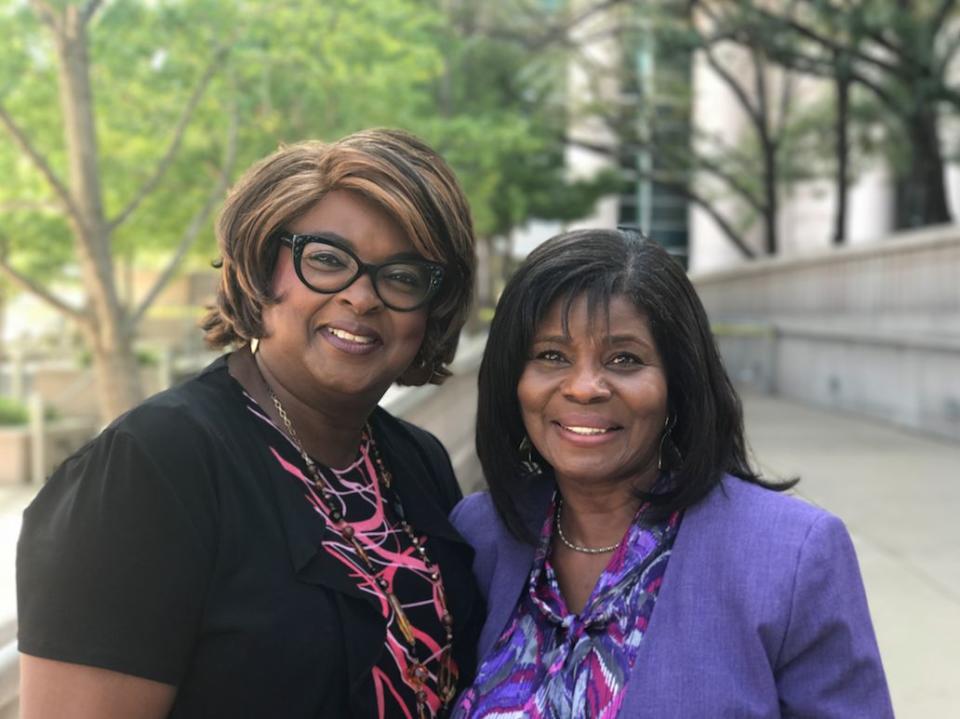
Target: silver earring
254, 345
530, 464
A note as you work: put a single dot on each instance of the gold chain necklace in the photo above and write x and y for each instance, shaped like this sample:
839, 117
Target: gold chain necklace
578, 547
417, 672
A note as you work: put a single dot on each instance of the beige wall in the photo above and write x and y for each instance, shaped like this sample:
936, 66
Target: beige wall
873, 329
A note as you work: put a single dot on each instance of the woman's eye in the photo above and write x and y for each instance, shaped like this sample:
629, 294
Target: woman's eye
410, 279
625, 359
549, 356
325, 260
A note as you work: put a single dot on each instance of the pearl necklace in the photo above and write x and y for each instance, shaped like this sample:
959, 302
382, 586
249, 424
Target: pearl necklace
417, 672
578, 547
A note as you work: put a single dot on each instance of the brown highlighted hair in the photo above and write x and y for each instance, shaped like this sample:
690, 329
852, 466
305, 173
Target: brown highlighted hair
395, 170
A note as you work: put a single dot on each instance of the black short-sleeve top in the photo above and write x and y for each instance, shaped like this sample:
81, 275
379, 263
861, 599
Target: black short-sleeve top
173, 547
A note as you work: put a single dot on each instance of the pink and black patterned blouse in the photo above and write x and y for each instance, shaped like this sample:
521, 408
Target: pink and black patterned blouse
550, 663
360, 500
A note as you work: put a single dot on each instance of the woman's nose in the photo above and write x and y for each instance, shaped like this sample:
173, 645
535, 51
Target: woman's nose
585, 383
361, 295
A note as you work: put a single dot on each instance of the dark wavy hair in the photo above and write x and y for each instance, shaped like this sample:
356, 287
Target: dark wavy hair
706, 436
394, 169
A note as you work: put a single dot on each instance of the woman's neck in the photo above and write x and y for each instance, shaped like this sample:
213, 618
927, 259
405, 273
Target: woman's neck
329, 434
597, 515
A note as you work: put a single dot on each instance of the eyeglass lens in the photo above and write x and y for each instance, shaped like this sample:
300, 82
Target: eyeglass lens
328, 268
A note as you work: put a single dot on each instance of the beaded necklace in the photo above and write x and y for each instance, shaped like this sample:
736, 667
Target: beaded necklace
417, 672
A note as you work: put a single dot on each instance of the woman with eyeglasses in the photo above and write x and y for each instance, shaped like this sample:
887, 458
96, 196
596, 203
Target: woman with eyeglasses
263, 540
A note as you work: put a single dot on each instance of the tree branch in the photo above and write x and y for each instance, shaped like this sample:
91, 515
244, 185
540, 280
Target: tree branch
940, 16
30, 206
679, 187
167, 160
826, 42
40, 162
822, 68
737, 88
46, 13
89, 10
553, 33
950, 49
738, 187
715, 214
42, 293
196, 223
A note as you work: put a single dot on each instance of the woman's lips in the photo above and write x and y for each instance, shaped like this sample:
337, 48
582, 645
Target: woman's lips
584, 433
355, 340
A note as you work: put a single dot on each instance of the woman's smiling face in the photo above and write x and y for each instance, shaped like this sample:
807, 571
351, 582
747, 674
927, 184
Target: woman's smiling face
345, 346
594, 399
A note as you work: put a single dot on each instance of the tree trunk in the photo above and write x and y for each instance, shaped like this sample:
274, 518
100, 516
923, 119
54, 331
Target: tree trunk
770, 204
109, 337
117, 374
921, 194
842, 86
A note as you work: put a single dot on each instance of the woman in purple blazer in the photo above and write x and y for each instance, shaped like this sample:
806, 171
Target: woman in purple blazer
634, 564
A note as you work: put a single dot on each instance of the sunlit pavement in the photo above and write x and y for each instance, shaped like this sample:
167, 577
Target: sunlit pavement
899, 494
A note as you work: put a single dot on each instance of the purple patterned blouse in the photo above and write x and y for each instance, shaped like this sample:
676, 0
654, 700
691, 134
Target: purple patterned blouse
550, 663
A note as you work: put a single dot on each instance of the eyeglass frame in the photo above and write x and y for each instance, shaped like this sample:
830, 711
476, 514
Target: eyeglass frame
297, 242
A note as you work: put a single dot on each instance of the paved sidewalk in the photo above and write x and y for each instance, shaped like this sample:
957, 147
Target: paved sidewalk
899, 494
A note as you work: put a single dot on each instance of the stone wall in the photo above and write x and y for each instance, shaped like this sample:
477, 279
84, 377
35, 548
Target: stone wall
870, 329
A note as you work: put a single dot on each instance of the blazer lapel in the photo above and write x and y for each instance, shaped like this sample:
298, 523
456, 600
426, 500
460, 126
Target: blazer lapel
654, 678
513, 564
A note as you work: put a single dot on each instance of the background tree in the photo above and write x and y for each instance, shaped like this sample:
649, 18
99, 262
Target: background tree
126, 121
900, 52
886, 65
78, 193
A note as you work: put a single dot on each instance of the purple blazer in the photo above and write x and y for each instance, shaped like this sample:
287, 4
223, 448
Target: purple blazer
762, 611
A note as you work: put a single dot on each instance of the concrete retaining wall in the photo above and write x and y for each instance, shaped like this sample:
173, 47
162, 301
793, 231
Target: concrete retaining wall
872, 329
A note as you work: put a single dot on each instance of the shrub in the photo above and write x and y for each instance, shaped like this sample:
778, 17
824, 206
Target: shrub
13, 412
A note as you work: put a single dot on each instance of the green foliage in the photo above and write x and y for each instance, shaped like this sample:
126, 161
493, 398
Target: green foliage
12, 412
145, 357
293, 70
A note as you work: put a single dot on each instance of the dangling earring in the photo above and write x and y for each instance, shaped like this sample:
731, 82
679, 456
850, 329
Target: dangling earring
254, 345
668, 424
530, 465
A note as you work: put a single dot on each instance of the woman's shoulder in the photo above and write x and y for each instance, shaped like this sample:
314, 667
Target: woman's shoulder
756, 510
475, 517
200, 413
204, 400
760, 531
172, 430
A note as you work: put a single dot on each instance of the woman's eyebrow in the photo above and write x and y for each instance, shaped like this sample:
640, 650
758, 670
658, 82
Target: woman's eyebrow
329, 235
559, 339
408, 255
627, 339
341, 241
